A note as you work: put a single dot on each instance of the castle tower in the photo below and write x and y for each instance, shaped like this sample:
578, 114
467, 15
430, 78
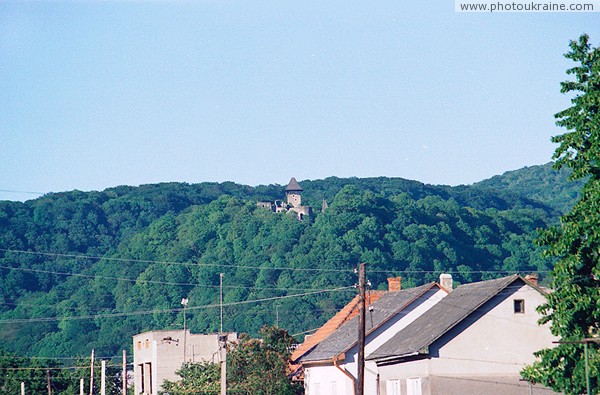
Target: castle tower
293, 193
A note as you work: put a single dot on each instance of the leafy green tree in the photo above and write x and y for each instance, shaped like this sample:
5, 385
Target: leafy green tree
260, 366
196, 378
572, 309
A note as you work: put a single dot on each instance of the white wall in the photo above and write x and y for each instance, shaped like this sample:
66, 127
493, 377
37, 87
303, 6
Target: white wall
326, 380
381, 335
491, 349
499, 343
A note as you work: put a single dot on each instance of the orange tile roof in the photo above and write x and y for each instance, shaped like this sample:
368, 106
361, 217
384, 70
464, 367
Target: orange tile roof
345, 314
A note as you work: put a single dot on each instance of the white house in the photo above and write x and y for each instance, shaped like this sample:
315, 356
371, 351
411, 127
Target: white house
475, 341
330, 367
433, 339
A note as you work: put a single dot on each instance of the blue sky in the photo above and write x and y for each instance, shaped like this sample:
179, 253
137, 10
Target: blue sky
99, 94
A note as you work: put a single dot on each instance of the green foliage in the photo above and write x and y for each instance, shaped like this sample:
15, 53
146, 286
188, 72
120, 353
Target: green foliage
196, 378
254, 367
148, 247
541, 183
572, 309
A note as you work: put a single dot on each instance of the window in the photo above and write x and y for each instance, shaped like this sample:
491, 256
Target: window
413, 386
333, 388
139, 345
519, 306
147, 343
392, 387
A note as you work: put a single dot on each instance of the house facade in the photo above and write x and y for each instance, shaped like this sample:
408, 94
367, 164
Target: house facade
474, 339
158, 355
330, 367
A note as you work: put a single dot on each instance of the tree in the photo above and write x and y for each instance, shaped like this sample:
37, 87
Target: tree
196, 378
572, 308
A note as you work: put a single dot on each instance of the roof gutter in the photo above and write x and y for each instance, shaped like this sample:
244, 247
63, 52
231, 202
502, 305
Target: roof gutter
397, 357
346, 373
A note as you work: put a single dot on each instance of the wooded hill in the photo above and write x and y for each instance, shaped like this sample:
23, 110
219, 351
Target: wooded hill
83, 270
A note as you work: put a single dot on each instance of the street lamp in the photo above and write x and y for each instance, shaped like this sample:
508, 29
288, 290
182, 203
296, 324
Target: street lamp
184, 302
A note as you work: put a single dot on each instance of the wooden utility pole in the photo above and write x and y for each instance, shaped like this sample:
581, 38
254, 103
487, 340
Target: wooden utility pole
48, 384
360, 382
124, 373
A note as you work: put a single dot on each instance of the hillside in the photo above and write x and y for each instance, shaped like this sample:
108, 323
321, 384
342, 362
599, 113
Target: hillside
540, 183
88, 270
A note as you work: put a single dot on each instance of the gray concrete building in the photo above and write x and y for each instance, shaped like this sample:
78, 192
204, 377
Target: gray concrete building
157, 355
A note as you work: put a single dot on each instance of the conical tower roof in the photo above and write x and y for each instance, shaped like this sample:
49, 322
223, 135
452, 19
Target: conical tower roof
293, 186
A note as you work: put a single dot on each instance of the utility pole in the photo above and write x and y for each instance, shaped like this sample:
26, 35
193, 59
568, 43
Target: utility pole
360, 382
277, 315
222, 341
48, 384
184, 302
124, 373
103, 378
221, 301
92, 374
223, 360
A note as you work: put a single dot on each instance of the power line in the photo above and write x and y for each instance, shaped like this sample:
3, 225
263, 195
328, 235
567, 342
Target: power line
137, 280
200, 265
63, 367
144, 312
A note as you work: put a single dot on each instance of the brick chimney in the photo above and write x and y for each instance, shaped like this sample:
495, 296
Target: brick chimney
446, 281
532, 278
394, 284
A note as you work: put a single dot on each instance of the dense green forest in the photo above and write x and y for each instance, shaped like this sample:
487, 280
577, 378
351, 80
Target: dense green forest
83, 270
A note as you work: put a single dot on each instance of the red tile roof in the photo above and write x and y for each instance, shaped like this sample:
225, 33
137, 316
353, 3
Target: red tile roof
344, 315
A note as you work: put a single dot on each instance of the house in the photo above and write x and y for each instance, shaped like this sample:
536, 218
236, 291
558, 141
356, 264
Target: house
475, 341
158, 355
330, 366
293, 193
344, 315
434, 339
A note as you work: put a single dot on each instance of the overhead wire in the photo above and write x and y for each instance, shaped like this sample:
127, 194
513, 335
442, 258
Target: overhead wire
157, 311
138, 280
201, 264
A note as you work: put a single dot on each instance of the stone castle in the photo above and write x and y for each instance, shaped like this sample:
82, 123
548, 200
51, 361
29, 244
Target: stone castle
293, 194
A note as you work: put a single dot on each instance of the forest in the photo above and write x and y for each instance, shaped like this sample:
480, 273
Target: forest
82, 270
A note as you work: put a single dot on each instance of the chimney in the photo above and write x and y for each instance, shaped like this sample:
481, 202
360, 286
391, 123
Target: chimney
394, 284
446, 281
532, 278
